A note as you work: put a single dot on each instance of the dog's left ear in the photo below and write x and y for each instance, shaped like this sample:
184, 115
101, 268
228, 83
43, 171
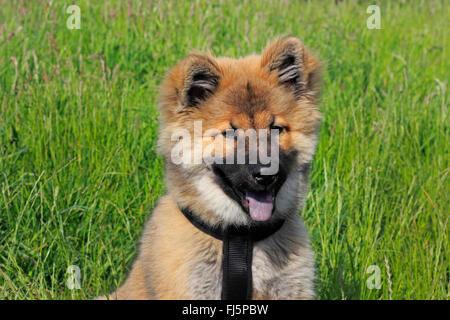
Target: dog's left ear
296, 69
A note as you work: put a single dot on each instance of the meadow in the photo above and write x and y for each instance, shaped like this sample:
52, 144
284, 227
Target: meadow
80, 173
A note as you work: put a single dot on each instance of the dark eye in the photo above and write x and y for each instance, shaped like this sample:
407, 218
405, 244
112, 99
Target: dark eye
233, 131
230, 133
279, 128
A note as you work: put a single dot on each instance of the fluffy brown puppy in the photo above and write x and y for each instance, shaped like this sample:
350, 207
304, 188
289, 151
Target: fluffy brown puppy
277, 90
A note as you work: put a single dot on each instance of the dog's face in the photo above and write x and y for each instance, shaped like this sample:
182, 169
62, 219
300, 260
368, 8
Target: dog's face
238, 135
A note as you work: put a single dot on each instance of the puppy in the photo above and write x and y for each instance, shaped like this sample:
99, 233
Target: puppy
221, 100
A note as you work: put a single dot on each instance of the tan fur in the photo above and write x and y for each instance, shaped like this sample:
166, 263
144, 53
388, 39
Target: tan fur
178, 261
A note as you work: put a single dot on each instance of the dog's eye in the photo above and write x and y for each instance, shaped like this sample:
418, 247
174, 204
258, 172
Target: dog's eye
233, 132
279, 128
230, 133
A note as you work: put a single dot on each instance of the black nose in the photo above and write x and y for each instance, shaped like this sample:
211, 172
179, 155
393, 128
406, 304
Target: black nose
264, 180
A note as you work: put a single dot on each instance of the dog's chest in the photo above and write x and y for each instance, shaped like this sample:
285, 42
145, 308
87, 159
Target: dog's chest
270, 279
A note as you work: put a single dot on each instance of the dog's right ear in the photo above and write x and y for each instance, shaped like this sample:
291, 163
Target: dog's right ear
201, 80
192, 81
296, 68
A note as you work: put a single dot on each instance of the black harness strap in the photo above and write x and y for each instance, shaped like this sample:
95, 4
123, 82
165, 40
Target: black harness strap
237, 268
237, 253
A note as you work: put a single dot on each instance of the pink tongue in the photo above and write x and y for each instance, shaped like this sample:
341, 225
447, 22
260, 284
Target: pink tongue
260, 207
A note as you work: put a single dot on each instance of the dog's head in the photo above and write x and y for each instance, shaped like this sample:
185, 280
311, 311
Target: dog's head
238, 135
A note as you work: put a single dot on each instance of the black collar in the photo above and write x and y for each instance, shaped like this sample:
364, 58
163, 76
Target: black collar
255, 232
237, 253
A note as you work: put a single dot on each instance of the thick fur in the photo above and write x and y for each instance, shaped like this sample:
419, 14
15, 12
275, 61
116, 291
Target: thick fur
176, 260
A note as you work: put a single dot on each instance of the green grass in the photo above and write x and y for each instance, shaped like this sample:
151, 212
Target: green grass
79, 173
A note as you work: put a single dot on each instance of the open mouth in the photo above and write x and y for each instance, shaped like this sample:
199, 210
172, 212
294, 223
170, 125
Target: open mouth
255, 195
259, 205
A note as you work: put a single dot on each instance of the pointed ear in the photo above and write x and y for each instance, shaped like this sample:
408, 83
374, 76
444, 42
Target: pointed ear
201, 77
192, 81
297, 70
